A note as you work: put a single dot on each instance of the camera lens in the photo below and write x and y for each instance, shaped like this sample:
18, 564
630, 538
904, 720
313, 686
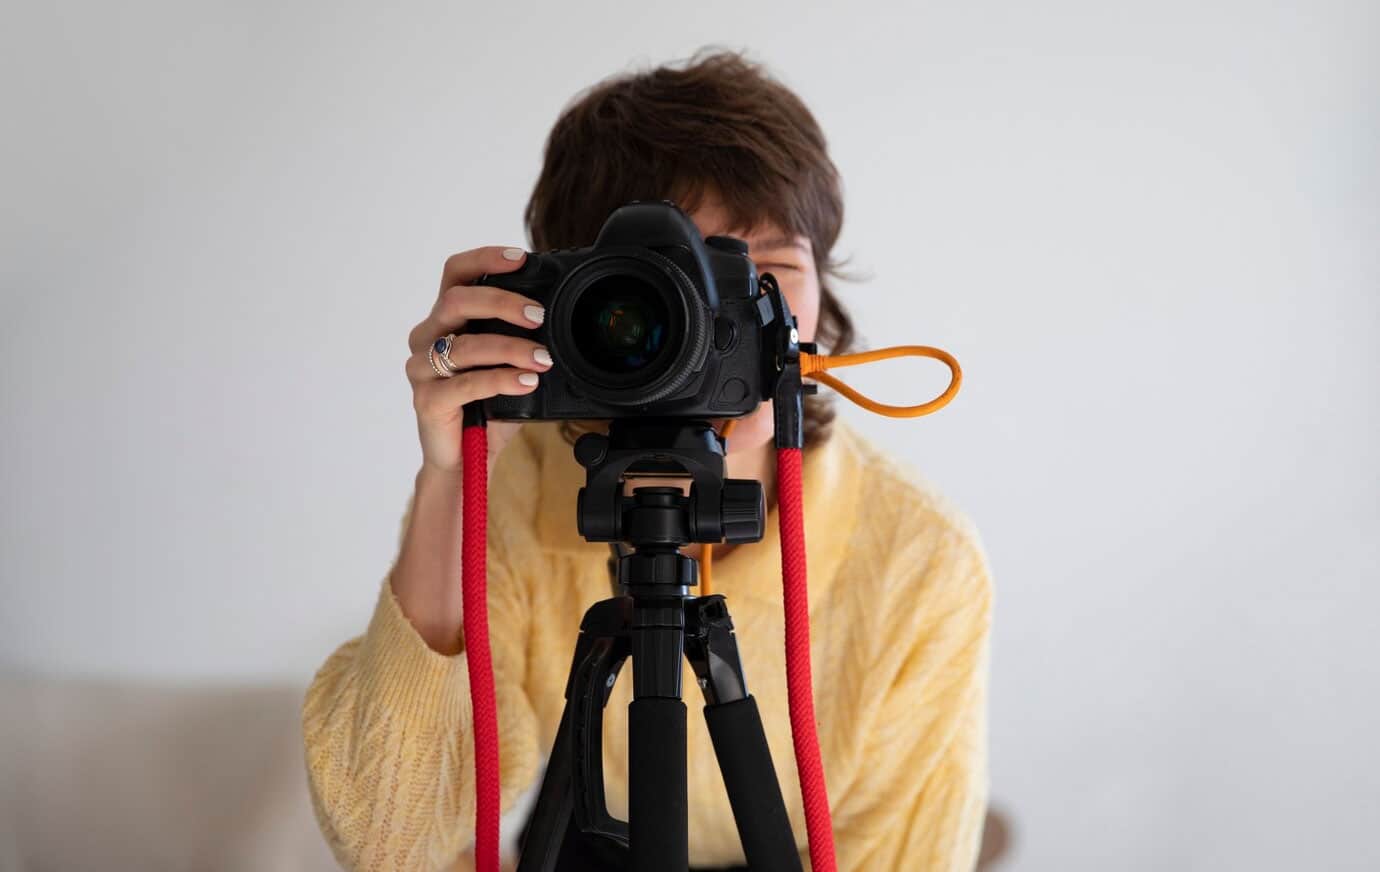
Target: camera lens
621, 324
628, 328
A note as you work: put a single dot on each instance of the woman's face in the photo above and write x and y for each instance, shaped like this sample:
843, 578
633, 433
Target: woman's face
792, 261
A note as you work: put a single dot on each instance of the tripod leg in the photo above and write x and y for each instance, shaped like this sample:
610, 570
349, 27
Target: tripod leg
658, 793
740, 742
550, 818
571, 798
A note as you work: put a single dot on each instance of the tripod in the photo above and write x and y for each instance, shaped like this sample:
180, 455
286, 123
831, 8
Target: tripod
657, 623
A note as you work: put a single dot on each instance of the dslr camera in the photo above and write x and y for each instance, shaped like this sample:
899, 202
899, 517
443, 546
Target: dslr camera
650, 320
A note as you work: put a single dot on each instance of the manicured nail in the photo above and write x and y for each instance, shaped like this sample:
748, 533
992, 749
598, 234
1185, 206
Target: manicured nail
529, 378
542, 356
535, 314
512, 254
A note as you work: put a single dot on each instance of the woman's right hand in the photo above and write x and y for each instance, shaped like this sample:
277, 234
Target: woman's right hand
516, 363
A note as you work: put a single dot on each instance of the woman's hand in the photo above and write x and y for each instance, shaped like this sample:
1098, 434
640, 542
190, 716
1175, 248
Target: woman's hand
424, 579
516, 362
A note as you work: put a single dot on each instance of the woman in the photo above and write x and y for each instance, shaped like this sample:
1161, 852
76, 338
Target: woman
900, 593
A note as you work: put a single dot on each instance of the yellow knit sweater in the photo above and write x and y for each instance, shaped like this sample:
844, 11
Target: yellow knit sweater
900, 602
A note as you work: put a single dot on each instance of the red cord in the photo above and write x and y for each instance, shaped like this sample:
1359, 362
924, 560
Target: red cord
799, 688
474, 584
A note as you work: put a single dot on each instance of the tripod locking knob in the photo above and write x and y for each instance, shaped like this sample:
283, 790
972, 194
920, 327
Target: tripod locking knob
744, 510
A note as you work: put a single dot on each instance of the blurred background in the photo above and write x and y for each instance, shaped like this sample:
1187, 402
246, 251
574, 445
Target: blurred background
1148, 230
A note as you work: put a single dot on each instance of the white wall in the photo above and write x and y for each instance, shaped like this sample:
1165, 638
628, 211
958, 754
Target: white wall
1148, 231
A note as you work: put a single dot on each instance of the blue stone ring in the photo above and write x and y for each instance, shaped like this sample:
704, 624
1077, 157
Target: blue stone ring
439, 356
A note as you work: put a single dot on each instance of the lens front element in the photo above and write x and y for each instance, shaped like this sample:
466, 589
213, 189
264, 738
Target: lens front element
621, 324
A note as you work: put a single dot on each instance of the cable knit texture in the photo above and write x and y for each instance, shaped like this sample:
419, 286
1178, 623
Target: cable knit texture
900, 606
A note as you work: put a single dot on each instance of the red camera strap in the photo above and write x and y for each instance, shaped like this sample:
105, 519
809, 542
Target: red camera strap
799, 688
474, 594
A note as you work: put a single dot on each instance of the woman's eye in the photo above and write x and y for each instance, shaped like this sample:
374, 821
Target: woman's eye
771, 267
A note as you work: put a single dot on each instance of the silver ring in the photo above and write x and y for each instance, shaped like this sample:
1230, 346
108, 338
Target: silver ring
435, 365
443, 347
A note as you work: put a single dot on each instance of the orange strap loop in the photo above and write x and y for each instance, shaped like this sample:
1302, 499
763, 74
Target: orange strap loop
813, 366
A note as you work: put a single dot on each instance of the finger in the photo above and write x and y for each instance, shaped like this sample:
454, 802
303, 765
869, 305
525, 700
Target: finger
418, 369
490, 349
466, 266
462, 303
443, 396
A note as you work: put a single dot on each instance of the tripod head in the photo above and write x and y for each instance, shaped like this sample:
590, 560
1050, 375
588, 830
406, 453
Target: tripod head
658, 521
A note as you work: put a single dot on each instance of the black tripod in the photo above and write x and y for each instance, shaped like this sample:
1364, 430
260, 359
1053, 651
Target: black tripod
657, 622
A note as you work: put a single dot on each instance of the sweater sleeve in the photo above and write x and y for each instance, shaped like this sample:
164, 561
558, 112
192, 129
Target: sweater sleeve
388, 737
920, 799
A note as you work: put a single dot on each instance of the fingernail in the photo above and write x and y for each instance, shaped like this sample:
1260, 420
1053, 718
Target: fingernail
535, 314
542, 356
512, 254
529, 378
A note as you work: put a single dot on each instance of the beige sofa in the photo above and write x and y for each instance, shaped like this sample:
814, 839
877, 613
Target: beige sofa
112, 776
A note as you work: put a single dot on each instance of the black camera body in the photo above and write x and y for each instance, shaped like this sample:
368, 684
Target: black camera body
651, 319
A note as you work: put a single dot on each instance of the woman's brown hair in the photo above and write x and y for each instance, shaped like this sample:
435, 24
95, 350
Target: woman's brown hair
718, 125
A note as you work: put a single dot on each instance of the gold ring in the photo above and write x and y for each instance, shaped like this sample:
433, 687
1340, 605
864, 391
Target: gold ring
435, 365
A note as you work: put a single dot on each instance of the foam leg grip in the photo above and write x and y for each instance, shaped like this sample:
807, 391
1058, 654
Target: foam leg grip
658, 803
754, 791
